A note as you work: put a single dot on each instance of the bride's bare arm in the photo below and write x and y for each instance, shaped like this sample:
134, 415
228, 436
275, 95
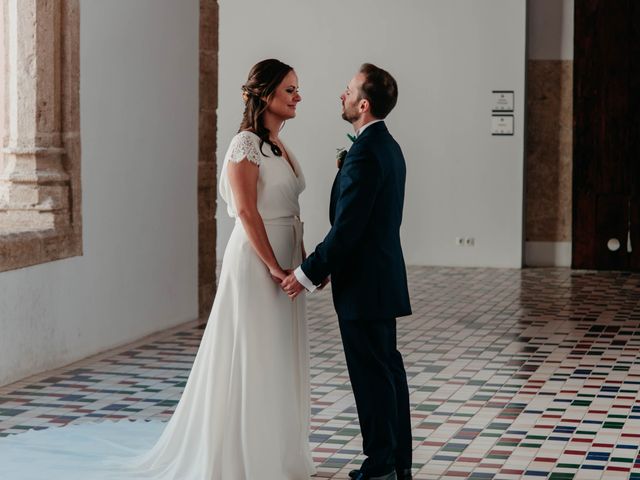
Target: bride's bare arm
243, 177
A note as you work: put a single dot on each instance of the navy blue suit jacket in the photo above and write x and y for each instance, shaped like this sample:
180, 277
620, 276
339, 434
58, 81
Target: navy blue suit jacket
362, 251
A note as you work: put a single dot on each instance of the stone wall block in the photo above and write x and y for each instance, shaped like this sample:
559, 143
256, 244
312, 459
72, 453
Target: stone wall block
549, 145
208, 90
70, 59
208, 81
24, 222
208, 141
47, 77
209, 17
207, 198
20, 196
40, 190
71, 162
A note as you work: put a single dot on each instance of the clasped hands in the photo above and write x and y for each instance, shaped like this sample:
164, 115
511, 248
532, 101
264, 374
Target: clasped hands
290, 284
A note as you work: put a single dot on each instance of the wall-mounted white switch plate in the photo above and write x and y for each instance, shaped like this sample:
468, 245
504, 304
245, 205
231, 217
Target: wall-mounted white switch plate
501, 124
502, 101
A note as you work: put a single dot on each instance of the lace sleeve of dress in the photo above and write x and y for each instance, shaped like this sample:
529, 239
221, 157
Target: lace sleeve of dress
244, 145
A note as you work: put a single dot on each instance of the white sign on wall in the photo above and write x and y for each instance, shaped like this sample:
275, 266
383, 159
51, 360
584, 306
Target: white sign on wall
502, 100
501, 125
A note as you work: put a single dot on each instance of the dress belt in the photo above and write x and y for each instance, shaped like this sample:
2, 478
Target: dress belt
284, 221
281, 221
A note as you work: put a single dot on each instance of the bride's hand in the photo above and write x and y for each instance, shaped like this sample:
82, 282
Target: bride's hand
278, 274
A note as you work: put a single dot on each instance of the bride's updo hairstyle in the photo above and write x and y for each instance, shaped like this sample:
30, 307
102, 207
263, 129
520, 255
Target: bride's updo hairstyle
263, 79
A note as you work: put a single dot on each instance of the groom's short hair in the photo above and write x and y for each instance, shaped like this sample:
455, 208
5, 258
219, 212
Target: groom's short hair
379, 88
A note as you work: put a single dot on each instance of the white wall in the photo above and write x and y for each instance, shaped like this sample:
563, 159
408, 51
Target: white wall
447, 55
139, 111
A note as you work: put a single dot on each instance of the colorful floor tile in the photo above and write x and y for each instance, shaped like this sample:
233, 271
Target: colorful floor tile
513, 374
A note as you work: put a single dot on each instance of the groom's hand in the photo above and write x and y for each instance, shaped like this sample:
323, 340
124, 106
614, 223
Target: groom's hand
291, 286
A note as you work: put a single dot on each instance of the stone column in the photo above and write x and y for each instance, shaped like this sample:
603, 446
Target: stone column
207, 155
34, 187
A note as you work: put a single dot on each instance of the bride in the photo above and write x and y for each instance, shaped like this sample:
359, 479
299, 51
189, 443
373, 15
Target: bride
244, 413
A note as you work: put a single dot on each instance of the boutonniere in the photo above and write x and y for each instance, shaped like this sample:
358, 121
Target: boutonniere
341, 153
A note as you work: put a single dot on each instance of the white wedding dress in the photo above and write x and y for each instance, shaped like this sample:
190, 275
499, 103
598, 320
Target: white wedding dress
244, 413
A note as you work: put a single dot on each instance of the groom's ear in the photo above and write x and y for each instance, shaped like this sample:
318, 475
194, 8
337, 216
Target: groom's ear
364, 106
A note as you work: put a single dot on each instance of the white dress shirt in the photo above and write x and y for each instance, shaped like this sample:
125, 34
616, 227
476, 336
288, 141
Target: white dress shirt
300, 276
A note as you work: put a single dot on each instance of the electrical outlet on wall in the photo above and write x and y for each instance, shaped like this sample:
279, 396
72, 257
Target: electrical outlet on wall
465, 241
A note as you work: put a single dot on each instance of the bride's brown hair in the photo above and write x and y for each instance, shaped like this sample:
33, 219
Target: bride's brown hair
263, 79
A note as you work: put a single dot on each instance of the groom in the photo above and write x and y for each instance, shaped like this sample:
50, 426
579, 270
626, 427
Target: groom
363, 256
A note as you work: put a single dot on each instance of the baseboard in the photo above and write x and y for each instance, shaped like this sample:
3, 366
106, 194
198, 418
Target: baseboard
547, 254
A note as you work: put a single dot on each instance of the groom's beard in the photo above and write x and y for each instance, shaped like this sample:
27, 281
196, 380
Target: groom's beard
350, 117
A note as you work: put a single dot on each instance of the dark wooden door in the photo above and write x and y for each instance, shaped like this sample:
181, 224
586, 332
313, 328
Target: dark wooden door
606, 153
634, 143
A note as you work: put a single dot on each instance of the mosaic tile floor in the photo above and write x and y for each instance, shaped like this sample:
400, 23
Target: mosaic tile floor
513, 374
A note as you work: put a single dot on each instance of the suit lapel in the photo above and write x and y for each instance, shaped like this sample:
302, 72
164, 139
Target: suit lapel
334, 198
